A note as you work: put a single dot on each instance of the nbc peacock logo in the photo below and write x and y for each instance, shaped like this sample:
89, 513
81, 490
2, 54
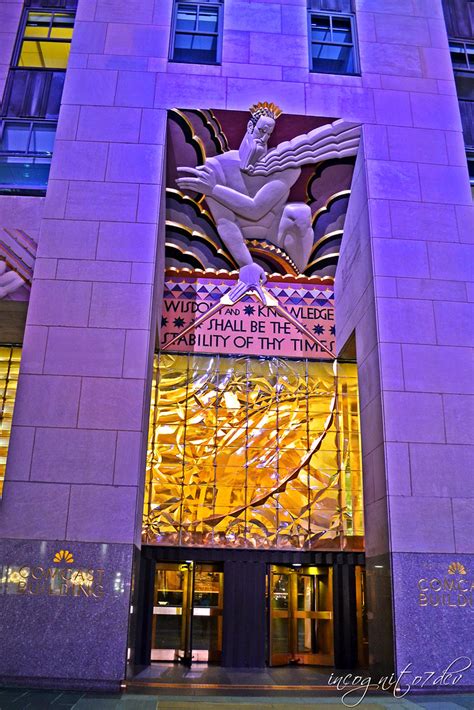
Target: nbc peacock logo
456, 568
64, 556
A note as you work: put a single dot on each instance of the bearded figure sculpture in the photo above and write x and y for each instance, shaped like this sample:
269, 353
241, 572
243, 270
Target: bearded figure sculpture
247, 190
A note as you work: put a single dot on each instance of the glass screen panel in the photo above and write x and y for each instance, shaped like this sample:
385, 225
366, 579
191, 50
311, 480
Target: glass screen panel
9, 367
228, 455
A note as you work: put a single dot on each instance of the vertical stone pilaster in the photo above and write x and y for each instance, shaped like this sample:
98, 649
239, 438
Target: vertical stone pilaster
83, 396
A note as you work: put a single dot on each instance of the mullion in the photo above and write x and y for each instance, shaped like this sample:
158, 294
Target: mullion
332, 44
196, 34
29, 138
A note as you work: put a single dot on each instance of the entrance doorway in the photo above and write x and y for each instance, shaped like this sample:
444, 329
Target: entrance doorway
187, 613
251, 608
301, 616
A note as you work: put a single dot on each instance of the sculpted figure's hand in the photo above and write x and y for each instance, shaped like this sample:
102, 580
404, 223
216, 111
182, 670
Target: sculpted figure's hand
204, 180
251, 276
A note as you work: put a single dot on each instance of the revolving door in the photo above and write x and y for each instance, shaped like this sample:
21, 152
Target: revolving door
187, 613
301, 616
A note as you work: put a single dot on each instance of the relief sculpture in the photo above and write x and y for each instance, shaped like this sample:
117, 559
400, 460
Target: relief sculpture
247, 190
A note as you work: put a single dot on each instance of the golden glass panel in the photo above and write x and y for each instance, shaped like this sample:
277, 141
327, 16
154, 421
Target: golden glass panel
260, 452
9, 368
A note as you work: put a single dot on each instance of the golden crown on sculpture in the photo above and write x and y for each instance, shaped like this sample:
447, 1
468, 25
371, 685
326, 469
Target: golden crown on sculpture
265, 109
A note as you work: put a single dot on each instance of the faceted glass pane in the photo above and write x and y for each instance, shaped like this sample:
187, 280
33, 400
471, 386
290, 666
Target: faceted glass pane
9, 368
229, 468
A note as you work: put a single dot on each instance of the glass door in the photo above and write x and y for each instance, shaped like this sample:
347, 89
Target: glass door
171, 631
187, 613
208, 594
301, 616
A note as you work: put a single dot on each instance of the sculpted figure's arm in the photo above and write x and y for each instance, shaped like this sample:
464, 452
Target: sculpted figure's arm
9, 280
252, 208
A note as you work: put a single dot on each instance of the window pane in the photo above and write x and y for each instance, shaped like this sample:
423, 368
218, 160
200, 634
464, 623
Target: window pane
195, 48
208, 19
186, 18
55, 93
15, 137
465, 86
14, 100
320, 28
62, 26
34, 97
21, 172
34, 94
42, 139
458, 56
37, 24
470, 55
49, 55
333, 59
183, 41
341, 30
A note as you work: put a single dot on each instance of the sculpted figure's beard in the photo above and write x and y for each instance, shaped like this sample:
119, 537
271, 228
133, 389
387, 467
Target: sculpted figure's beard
251, 151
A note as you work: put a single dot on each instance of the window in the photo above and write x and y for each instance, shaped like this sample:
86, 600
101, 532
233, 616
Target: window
462, 57
470, 165
34, 94
197, 32
462, 54
46, 40
26, 148
332, 43
33, 91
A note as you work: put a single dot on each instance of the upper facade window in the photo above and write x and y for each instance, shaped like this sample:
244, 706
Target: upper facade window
197, 32
33, 91
332, 39
462, 54
46, 40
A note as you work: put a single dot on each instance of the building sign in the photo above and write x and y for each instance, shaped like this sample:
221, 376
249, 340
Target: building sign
61, 579
454, 589
299, 324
